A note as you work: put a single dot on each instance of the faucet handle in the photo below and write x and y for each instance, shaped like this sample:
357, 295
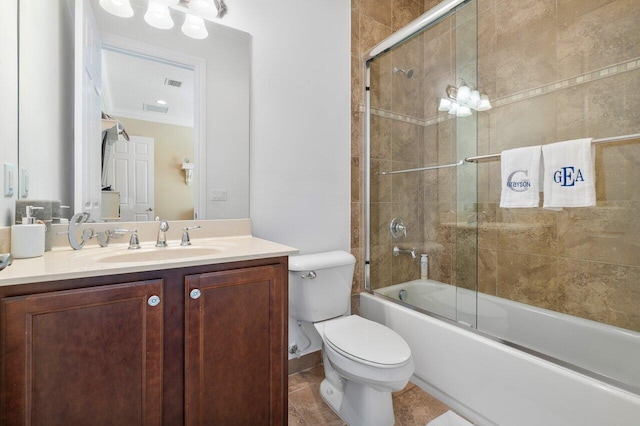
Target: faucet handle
134, 242
185, 234
397, 228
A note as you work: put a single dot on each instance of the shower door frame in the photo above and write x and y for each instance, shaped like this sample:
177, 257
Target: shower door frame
409, 30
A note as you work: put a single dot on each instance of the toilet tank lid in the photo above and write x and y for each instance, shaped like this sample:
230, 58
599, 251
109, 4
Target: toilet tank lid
330, 259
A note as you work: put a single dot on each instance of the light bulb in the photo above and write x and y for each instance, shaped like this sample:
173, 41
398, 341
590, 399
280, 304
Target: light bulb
463, 111
474, 99
158, 15
203, 7
194, 27
121, 8
453, 110
445, 104
484, 105
464, 92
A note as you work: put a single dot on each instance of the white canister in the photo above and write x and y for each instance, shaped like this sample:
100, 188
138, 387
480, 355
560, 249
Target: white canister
27, 240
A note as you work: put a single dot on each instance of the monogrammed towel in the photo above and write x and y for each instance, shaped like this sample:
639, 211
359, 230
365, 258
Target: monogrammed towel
520, 170
569, 177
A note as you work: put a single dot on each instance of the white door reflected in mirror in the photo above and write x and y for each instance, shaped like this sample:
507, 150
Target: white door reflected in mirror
131, 173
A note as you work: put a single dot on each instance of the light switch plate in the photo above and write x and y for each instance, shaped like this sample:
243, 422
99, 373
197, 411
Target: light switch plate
218, 195
9, 179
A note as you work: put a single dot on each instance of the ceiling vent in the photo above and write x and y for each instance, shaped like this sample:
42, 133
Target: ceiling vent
155, 108
174, 83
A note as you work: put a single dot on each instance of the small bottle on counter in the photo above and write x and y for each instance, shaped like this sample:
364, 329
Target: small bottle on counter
424, 266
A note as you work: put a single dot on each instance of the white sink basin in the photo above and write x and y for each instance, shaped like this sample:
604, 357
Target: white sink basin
159, 254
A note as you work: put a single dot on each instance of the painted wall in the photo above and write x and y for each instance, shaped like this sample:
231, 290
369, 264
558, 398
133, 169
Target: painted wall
8, 104
173, 198
300, 124
46, 99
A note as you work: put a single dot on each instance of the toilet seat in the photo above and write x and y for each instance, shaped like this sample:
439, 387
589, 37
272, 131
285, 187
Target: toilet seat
366, 342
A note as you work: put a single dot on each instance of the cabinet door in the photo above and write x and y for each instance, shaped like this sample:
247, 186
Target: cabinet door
91, 356
235, 347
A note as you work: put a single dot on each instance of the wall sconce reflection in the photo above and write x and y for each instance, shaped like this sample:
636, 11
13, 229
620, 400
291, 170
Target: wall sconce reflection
463, 100
188, 167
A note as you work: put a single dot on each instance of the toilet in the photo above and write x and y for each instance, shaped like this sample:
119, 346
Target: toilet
363, 361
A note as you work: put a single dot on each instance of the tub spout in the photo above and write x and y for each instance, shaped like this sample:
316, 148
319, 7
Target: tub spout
397, 251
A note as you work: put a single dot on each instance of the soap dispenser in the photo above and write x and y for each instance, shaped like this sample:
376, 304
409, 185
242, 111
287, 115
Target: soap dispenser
27, 239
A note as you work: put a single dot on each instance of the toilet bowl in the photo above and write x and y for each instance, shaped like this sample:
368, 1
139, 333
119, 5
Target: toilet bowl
363, 361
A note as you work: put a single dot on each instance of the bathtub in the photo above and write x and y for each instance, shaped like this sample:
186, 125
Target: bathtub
589, 375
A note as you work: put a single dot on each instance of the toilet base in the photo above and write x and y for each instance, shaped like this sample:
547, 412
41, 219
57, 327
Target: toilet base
359, 405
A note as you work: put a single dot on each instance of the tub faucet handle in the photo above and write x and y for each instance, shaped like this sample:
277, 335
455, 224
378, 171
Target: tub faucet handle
397, 228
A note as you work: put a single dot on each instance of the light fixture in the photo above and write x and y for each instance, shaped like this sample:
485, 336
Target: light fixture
463, 111
445, 105
464, 93
484, 105
158, 15
463, 100
121, 8
188, 167
203, 7
194, 27
161, 102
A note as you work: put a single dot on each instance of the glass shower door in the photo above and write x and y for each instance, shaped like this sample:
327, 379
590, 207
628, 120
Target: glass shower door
416, 176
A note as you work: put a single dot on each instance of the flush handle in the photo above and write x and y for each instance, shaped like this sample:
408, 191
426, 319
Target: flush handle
310, 275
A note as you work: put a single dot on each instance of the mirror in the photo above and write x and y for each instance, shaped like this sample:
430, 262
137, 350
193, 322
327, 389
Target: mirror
60, 157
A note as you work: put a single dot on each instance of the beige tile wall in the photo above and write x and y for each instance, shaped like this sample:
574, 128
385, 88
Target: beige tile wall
584, 262
371, 22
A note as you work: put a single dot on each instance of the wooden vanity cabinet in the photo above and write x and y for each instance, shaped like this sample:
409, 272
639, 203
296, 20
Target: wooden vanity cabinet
203, 345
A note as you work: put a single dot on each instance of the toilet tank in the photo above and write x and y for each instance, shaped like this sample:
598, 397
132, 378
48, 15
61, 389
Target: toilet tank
320, 285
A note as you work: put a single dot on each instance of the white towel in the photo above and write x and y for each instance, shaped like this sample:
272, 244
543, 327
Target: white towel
520, 177
449, 419
569, 178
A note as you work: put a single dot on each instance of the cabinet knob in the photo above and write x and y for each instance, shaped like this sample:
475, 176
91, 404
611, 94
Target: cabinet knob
154, 300
195, 293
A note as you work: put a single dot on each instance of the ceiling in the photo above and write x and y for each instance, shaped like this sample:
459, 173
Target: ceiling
129, 81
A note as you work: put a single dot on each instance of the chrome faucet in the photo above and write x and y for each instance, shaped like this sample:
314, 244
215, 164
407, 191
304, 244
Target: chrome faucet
397, 251
162, 233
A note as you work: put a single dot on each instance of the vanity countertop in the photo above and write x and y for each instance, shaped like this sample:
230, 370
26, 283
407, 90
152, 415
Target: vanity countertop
65, 263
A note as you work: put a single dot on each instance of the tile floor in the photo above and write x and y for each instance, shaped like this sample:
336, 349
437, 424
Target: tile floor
412, 406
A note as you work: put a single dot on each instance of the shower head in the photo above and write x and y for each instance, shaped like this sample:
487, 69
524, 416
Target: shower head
408, 73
